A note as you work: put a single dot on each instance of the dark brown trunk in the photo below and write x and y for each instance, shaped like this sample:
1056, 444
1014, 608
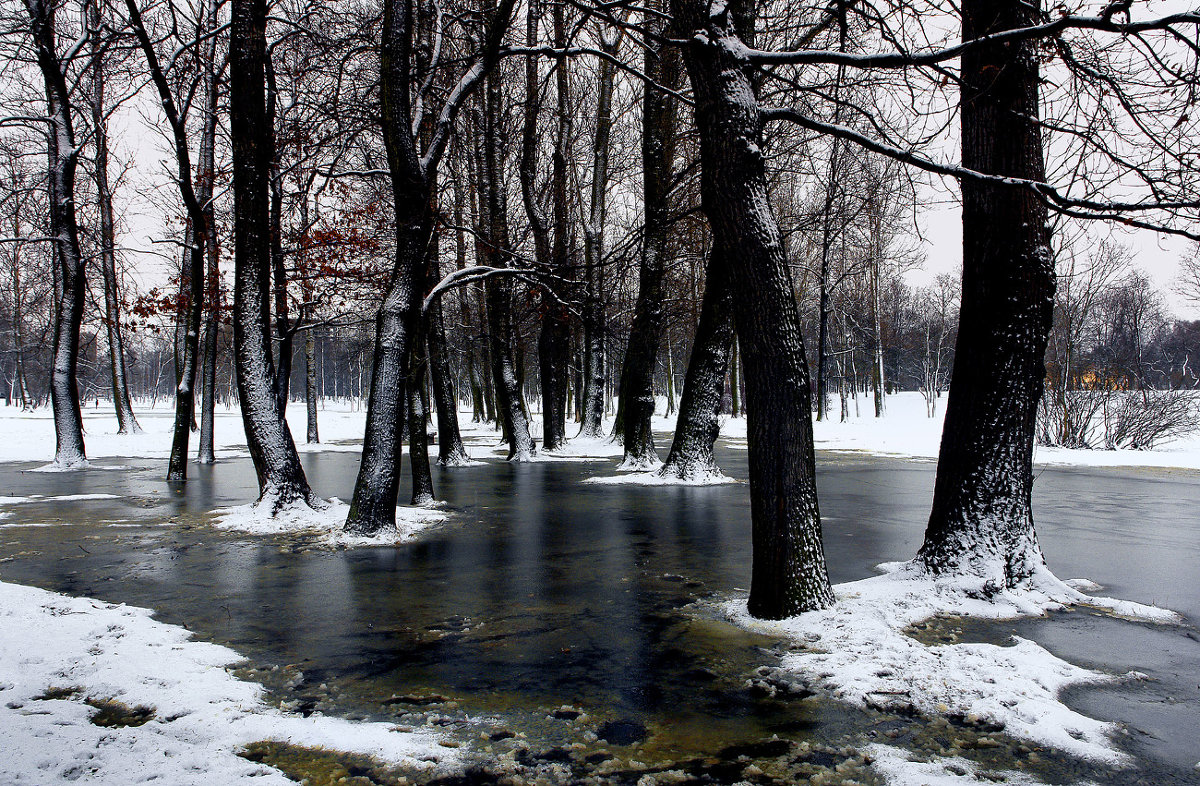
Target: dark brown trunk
635, 407
981, 524
281, 479
698, 425
69, 275
789, 574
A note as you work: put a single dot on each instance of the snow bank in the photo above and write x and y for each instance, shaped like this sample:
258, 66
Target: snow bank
859, 652
29, 436
256, 518
79, 649
896, 766
655, 479
905, 431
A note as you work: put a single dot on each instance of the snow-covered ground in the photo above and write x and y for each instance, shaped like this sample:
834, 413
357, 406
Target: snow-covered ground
860, 651
325, 521
58, 653
905, 430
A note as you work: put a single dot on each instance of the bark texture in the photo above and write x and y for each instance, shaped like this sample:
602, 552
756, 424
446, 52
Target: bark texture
63, 160
789, 575
497, 251
698, 424
591, 410
635, 406
981, 524
281, 479
126, 421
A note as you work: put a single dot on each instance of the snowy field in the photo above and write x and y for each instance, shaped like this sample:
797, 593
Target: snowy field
904, 431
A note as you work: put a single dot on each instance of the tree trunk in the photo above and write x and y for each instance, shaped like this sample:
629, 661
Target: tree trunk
284, 330
981, 524
509, 401
878, 379
62, 158
698, 425
635, 408
789, 575
281, 479
418, 434
126, 421
451, 452
206, 181
554, 337
592, 409
191, 286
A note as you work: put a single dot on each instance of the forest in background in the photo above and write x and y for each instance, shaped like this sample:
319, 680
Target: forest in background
501, 202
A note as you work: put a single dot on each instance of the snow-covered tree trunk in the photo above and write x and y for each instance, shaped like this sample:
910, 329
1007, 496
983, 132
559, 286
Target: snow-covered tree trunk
205, 181
281, 479
418, 434
126, 421
191, 285
450, 445
310, 386
373, 507
878, 377
509, 400
63, 159
635, 408
284, 329
698, 425
554, 339
981, 524
592, 404
789, 574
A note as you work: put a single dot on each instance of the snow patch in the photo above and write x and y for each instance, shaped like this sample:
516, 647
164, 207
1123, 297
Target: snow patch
256, 518
714, 478
63, 498
897, 767
57, 651
859, 652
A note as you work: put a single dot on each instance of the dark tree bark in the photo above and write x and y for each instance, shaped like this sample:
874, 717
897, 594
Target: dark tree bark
451, 452
592, 408
418, 435
981, 524
70, 284
635, 407
281, 479
310, 386
496, 253
191, 284
374, 504
554, 339
789, 575
698, 425
126, 421
205, 181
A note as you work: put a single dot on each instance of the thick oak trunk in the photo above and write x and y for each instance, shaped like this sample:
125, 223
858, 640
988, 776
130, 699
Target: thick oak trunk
698, 424
635, 407
281, 479
789, 574
981, 524
63, 159
374, 505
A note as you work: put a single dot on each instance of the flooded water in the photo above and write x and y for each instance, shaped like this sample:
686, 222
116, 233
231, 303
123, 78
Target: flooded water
557, 628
